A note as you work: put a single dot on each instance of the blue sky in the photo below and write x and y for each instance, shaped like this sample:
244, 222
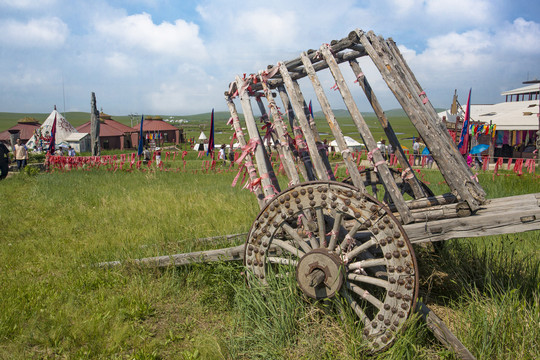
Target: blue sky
178, 57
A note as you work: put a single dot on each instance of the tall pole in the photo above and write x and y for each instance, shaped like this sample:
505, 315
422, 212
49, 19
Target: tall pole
94, 127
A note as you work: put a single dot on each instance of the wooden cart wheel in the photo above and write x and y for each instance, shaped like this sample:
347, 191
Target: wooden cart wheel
338, 240
372, 181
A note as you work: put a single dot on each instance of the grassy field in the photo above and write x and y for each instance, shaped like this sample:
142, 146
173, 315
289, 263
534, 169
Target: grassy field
56, 304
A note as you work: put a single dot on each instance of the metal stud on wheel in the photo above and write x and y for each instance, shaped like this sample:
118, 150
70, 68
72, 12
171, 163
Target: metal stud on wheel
339, 241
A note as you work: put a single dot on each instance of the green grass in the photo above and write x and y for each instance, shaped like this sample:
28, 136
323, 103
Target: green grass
56, 304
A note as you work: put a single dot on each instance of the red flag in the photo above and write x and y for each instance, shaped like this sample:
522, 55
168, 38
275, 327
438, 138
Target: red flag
211, 138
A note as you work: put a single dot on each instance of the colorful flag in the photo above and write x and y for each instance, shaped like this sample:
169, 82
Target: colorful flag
211, 138
311, 110
53, 137
464, 138
141, 138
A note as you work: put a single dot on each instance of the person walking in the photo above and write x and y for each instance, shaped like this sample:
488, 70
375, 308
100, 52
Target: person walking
4, 161
21, 155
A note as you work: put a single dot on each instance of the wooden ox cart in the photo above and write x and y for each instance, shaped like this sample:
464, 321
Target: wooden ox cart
334, 236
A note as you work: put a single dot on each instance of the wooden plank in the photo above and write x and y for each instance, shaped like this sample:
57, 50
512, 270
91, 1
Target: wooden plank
379, 162
411, 178
457, 180
442, 333
304, 165
242, 141
286, 155
304, 125
265, 169
501, 216
334, 125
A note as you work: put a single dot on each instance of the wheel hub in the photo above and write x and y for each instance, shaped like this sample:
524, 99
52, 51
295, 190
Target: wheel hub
319, 273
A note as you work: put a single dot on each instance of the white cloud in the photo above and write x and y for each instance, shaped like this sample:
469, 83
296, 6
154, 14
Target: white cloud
521, 36
40, 33
138, 32
27, 4
473, 12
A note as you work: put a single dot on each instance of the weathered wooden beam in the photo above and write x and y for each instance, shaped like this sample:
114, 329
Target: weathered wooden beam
410, 176
427, 107
305, 166
269, 185
286, 156
304, 125
379, 162
443, 333
242, 141
500, 216
457, 178
334, 125
315, 132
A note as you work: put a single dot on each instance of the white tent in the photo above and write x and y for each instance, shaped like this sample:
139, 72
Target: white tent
351, 143
202, 136
63, 129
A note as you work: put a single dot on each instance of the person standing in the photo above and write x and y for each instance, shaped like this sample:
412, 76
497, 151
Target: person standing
222, 154
416, 152
71, 151
21, 155
4, 161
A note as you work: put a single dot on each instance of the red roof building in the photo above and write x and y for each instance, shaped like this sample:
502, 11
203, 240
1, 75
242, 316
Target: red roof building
112, 134
158, 130
25, 127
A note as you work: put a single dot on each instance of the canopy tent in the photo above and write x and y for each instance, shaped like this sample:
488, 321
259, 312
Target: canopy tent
351, 143
63, 130
202, 136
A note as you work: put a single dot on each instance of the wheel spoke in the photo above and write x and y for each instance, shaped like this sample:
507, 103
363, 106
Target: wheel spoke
367, 263
335, 231
349, 240
308, 226
287, 247
356, 307
297, 238
282, 261
364, 294
357, 250
322, 227
369, 280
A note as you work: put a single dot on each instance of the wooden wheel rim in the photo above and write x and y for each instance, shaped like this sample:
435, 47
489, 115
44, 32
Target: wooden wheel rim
380, 272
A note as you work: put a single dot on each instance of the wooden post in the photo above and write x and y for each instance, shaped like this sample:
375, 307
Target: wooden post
334, 125
299, 111
410, 178
449, 166
379, 161
305, 166
286, 155
265, 169
94, 127
242, 141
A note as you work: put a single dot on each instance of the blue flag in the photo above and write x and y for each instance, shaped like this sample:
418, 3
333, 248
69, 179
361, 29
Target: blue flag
53, 137
311, 110
464, 138
141, 138
211, 139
